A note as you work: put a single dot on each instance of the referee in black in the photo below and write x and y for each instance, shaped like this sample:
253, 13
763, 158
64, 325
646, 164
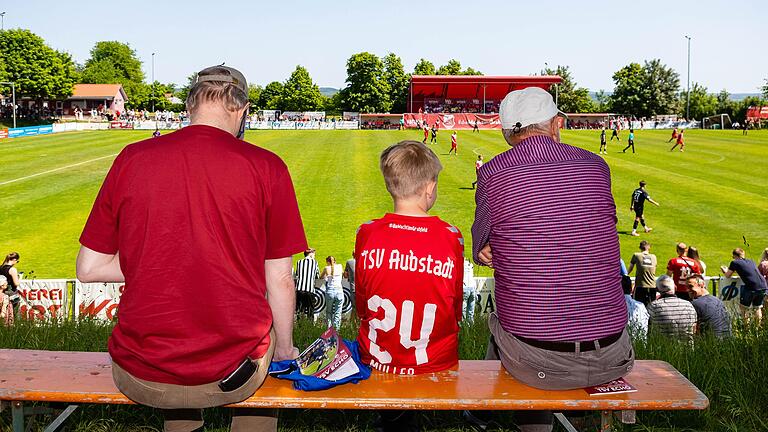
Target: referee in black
639, 196
307, 272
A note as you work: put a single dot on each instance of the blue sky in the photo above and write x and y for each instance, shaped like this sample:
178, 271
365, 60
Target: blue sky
266, 40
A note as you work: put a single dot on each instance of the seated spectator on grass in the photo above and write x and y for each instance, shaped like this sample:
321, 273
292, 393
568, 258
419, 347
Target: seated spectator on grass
636, 312
671, 315
645, 277
755, 285
409, 277
711, 315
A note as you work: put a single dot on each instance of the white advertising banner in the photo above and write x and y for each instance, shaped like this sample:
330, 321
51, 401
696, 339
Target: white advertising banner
294, 125
43, 299
97, 300
729, 291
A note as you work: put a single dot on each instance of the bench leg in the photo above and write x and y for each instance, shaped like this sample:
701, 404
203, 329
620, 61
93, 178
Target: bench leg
606, 421
629, 416
17, 413
564, 421
56, 424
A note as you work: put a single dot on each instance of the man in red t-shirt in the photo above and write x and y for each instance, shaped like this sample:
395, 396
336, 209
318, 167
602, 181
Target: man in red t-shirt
409, 273
680, 268
201, 226
454, 144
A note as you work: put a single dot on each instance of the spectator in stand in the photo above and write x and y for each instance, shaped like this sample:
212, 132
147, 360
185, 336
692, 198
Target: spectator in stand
307, 272
6, 308
636, 313
538, 186
645, 277
395, 291
671, 315
711, 315
755, 285
334, 293
220, 249
680, 268
693, 253
11, 274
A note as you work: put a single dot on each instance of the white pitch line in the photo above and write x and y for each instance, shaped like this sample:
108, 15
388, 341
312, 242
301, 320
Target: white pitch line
56, 169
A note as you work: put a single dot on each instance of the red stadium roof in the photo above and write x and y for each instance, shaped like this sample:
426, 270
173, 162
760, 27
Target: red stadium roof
479, 87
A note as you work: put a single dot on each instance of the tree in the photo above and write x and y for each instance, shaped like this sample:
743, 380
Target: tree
254, 93
765, 89
271, 97
114, 62
366, 91
454, 68
724, 104
424, 67
300, 93
570, 98
395, 76
470, 71
645, 91
702, 104
602, 103
39, 71
183, 92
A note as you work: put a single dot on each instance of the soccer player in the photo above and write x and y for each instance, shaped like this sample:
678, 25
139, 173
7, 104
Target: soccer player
434, 134
474, 127
426, 132
674, 135
454, 145
478, 164
603, 144
615, 133
680, 141
409, 276
639, 196
630, 141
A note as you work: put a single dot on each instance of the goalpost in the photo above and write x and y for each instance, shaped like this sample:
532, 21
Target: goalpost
719, 121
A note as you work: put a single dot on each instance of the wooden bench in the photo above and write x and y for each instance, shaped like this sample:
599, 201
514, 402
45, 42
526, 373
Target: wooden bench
86, 377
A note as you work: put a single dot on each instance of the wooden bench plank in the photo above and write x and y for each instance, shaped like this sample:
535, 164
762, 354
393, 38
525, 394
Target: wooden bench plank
78, 377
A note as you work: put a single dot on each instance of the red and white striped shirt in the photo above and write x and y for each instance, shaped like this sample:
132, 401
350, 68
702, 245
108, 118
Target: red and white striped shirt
547, 211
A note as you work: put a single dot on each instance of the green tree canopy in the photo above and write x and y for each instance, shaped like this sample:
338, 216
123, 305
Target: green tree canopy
183, 92
765, 89
702, 104
254, 92
645, 91
395, 76
300, 93
424, 67
39, 71
366, 91
271, 97
454, 68
114, 62
570, 98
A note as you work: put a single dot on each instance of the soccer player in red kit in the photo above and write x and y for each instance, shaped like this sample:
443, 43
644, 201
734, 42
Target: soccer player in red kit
426, 132
454, 147
409, 273
679, 141
674, 135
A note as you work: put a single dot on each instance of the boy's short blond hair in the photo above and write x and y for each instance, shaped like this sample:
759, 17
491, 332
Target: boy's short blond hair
407, 168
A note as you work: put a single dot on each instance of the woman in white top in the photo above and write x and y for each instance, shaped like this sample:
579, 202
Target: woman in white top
334, 294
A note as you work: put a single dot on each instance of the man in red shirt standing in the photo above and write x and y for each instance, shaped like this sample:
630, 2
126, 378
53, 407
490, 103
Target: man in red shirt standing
409, 276
680, 268
454, 145
201, 227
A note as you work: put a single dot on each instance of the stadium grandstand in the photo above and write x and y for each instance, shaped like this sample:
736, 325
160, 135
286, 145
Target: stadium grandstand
461, 101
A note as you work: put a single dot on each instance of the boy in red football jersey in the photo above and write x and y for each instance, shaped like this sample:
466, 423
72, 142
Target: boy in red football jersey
409, 275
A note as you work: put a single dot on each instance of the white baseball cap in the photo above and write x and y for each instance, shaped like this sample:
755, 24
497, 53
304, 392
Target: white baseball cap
528, 106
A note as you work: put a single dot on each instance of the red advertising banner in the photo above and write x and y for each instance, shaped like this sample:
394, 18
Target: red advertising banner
120, 125
453, 121
755, 113
3, 133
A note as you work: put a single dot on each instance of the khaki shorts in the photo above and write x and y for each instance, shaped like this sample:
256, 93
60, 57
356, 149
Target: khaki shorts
553, 370
173, 396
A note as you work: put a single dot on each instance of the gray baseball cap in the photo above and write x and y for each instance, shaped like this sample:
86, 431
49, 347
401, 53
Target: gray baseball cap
223, 74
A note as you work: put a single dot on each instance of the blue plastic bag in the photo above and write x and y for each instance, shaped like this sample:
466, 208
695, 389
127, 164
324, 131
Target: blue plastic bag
289, 369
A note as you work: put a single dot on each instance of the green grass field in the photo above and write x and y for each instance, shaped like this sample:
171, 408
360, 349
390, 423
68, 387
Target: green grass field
713, 196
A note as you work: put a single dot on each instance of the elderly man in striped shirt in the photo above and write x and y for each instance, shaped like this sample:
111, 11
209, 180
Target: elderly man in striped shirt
546, 222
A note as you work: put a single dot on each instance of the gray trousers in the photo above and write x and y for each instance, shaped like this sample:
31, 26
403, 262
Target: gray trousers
182, 405
552, 370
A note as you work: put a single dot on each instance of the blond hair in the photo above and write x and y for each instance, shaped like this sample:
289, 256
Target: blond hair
228, 95
407, 168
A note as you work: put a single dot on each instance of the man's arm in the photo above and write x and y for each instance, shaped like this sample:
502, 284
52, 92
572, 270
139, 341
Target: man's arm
95, 266
481, 228
281, 295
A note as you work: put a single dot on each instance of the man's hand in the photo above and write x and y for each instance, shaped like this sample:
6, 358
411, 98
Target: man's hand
723, 269
485, 256
287, 355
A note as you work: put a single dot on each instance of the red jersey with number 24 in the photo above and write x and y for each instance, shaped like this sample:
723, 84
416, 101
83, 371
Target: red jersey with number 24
408, 282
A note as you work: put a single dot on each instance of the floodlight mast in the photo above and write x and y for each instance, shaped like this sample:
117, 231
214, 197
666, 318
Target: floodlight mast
688, 88
13, 98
